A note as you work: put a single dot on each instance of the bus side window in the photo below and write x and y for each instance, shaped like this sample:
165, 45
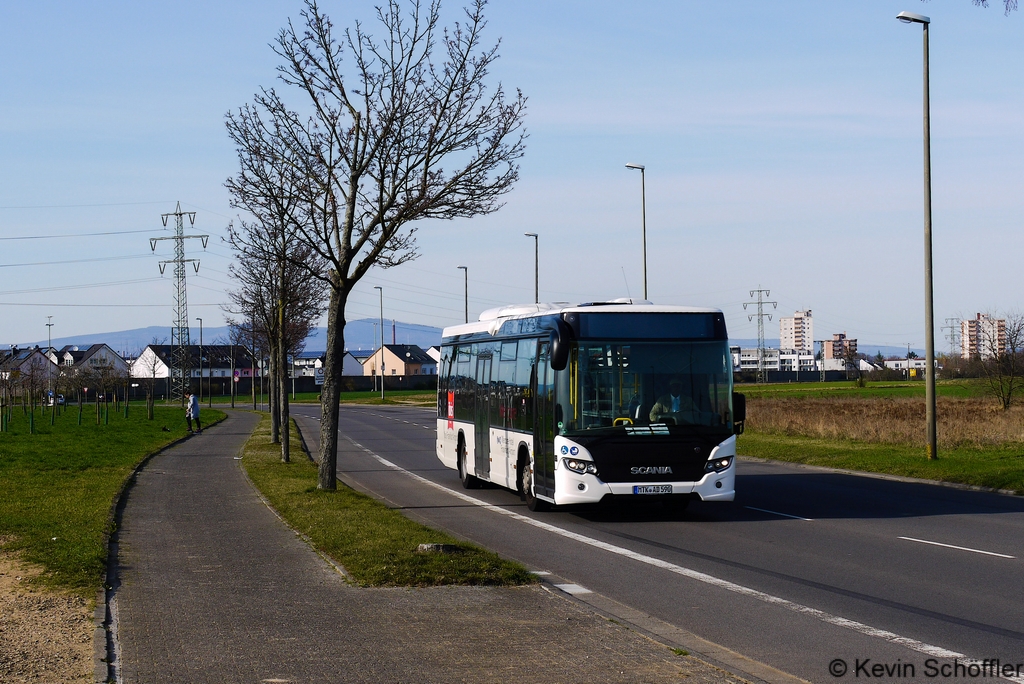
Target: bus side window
526, 353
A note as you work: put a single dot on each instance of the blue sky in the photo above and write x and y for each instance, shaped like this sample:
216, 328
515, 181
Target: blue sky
782, 143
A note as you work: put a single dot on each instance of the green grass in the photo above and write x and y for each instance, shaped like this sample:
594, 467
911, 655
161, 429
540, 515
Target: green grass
999, 467
943, 388
376, 545
59, 485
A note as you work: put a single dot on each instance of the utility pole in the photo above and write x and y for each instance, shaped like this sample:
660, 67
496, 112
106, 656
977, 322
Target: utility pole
180, 357
761, 375
822, 343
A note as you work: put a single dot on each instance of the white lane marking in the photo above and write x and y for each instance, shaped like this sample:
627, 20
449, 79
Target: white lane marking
784, 515
959, 548
867, 630
573, 589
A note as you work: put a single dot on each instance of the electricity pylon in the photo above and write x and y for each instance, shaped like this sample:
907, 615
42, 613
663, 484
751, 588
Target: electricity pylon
761, 377
181, 359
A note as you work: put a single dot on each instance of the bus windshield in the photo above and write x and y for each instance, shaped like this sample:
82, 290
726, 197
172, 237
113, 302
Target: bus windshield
684, 385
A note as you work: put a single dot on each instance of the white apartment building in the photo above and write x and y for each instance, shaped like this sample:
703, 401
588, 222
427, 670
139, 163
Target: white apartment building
745, 359
797, 331
982, 336
797, 360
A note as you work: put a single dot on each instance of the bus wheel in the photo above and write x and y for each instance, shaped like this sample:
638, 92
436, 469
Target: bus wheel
532, 502
468, 481
522, 465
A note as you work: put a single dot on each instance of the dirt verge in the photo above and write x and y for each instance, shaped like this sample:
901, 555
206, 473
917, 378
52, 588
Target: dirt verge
45, 636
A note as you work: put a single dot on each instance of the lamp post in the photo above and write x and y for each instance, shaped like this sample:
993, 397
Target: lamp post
929, 323
465, 270
49, 369
536, 267
643, 216
200, 358
378, 287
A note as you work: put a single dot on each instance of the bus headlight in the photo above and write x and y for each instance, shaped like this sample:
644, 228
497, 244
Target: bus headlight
717, 465
578, 466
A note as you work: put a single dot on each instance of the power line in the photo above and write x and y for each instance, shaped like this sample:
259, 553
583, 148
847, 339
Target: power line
101, 306
72, 235
81, 206
80, 287
77, 261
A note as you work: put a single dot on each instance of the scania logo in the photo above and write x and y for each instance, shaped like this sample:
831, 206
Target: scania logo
651, 470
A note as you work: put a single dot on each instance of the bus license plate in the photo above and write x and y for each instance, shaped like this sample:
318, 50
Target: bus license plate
652, 489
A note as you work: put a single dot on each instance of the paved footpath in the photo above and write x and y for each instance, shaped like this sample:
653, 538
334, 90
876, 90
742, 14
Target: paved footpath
213, 587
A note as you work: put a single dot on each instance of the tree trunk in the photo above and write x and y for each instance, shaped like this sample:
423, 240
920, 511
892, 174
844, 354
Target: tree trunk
282, 393
330, 394
275, 414
252, 385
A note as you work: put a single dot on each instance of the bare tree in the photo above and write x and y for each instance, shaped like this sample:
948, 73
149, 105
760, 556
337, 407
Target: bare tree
274, 266
242, 334
397, 131
1008, 5
283, 301
1002, 356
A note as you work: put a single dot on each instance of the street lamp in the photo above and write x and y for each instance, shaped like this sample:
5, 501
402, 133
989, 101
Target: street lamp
378, 287
200, 358
643, 216
536, 268
929, 323
49, 368
465, 270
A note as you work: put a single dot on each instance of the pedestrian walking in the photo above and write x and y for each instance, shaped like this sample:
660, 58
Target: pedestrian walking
192, 413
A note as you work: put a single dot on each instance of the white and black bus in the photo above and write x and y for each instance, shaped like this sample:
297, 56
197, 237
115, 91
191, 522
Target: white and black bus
571, 404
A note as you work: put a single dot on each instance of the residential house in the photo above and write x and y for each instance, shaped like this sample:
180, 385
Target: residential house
29, 364
96, 357
399, 359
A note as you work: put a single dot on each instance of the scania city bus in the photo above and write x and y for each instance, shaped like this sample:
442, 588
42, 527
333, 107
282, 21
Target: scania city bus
572, 404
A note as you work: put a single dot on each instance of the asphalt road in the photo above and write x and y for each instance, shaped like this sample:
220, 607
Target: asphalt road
805, 569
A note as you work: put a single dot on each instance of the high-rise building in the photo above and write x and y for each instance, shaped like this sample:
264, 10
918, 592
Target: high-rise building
797, 331
982, 336
839, 346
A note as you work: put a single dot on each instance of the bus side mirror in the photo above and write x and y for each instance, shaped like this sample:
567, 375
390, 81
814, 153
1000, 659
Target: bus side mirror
739, 412
560, 345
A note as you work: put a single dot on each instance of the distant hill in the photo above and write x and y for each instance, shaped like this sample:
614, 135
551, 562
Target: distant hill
363, 334
360, 334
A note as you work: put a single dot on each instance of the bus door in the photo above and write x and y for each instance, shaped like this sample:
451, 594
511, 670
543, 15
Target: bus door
484, 401
544, 425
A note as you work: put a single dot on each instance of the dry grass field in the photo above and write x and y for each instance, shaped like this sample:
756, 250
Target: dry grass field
881, 428
887, 420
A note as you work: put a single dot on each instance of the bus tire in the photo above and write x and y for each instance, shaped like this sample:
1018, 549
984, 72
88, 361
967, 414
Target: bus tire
532, 502
468, 481
522, 465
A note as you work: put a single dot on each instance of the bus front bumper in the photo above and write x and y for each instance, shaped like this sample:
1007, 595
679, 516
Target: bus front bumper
574, 488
